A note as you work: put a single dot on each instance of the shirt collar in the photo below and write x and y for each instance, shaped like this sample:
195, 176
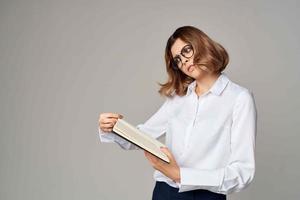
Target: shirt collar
216, 88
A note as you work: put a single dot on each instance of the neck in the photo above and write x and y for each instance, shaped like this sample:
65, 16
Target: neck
206, 82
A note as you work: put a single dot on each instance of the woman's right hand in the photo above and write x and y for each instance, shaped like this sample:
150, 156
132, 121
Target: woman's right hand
108, 120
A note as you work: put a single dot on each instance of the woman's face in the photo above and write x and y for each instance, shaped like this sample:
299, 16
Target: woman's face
187, 63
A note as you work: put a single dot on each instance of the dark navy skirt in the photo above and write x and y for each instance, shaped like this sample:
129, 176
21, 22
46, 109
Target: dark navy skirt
162, 191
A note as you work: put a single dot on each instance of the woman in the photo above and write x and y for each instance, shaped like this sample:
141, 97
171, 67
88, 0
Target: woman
209, 122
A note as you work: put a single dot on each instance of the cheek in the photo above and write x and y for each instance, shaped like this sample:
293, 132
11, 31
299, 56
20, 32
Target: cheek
193, 59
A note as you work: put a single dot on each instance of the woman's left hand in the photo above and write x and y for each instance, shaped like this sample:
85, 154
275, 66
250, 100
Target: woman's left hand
171, 169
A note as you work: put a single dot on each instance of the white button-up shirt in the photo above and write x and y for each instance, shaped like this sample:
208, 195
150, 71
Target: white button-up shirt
212, 137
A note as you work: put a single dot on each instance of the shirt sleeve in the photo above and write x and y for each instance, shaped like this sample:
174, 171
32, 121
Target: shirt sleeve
155, 126
239, 172
111, 137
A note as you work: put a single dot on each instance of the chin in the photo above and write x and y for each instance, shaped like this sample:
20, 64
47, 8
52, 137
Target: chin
196, 74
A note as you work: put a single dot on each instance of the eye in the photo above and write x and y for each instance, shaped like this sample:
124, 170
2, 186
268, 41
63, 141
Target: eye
187, 49
177, 60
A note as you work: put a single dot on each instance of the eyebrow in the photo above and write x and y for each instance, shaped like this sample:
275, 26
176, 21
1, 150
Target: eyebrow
175, 56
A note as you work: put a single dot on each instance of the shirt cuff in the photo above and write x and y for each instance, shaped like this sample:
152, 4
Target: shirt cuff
192, 179
106, 136
114, 138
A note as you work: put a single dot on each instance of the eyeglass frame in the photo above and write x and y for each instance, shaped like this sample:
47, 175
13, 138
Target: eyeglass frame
174, 65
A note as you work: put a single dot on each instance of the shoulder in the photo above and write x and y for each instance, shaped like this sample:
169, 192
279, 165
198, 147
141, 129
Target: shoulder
237, 91
239, 95
243, 97
173, 102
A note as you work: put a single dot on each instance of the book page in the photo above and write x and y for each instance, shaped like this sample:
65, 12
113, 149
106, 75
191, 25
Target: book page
140, 138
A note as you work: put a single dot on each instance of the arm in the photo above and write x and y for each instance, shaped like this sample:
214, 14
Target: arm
155, 126
239, 172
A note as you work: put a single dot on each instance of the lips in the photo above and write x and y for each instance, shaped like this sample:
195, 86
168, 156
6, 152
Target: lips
189, 67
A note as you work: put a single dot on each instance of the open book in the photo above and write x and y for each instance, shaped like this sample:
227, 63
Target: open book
140, 139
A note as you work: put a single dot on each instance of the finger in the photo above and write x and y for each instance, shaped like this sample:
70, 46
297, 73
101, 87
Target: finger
106, 126
107, 129
153, 159
149, 158
113, 115
108, 121
147, 155
166, 151
109, 124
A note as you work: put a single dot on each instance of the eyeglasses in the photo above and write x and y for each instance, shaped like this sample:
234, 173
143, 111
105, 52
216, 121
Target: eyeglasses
187, 51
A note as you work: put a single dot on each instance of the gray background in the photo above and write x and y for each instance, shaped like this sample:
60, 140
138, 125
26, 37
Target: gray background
65, 62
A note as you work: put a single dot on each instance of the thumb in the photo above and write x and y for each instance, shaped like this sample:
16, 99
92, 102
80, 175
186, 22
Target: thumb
166, 151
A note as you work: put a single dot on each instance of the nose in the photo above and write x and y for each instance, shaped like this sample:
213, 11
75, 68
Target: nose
186, 60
